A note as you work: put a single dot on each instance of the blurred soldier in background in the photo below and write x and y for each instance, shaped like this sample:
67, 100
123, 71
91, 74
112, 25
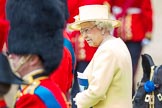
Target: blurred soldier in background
64, 74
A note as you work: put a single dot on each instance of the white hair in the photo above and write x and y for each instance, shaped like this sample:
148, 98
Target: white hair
104, 25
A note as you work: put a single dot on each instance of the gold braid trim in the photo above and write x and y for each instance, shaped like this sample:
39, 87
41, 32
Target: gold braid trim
128, 24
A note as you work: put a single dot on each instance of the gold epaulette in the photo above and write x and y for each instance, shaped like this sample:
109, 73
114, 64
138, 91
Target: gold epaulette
28, 89
31, 88
25, 89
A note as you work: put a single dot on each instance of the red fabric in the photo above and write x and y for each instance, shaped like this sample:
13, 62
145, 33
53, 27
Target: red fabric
140, 23
73, 6
2, 9
4, 26
56, 91
33, 101
147, 15
90, 2
63, 75
73, 9
3, 104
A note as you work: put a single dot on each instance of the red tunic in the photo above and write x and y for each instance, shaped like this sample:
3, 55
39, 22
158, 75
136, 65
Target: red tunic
2, 9
73, 6
4, 25
136, 18
63, 76
41, 94
3, 104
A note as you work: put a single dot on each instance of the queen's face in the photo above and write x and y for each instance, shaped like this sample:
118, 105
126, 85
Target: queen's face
91, 34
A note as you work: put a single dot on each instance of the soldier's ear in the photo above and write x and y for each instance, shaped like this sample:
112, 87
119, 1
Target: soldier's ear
35, 60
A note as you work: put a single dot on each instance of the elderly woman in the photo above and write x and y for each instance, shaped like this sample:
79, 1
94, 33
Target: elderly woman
109, 73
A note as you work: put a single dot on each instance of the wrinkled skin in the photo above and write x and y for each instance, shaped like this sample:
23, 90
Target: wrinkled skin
139, 97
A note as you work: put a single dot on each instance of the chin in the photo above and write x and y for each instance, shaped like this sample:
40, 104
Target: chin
92, 45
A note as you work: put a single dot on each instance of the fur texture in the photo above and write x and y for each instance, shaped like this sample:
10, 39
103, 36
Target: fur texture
36, 28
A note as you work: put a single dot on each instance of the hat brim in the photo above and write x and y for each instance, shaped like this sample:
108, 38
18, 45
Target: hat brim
6, 74
76, 25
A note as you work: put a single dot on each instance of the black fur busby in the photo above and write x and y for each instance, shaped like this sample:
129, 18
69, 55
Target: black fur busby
66, 9
37, 28
6, 74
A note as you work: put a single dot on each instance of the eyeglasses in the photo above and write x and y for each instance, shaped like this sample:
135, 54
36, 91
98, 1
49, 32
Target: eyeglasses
86, 30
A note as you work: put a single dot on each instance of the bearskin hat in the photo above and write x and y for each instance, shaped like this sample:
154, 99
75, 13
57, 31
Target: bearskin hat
37, 28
